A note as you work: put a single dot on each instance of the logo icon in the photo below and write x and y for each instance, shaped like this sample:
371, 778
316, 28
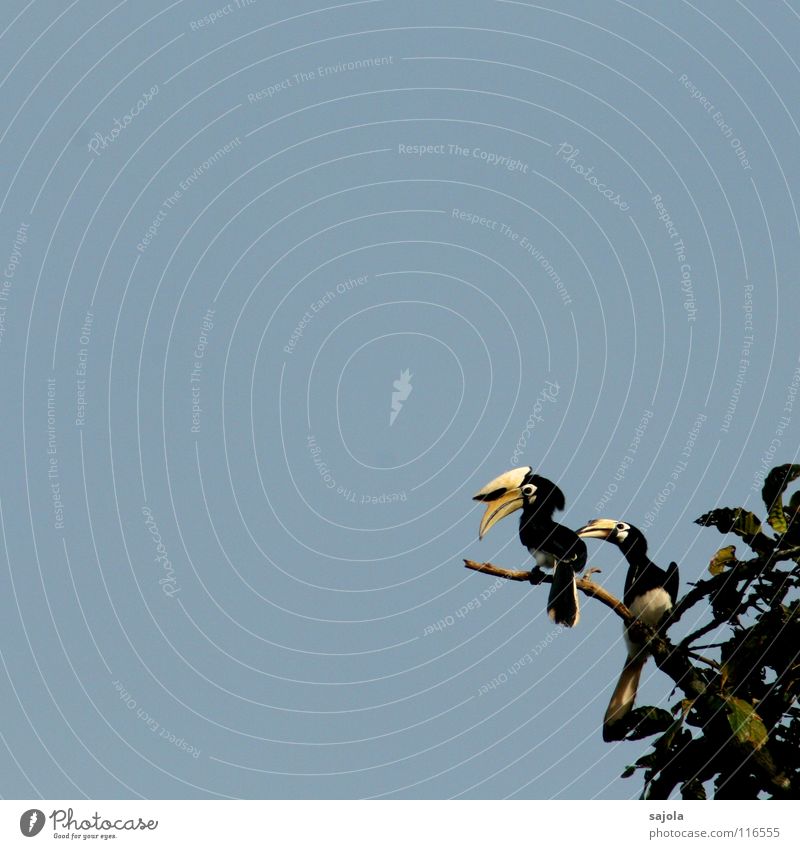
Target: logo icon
31, 822
403, 389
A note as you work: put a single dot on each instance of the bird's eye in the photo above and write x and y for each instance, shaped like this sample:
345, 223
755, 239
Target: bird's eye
528, 490
620, 526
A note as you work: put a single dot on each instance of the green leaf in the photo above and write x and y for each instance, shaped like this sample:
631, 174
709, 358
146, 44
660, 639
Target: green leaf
792, 513
774, 486
645, 721
745, 723
732, 520
721, 559
693, 789
648, 761
628, 771
669, 736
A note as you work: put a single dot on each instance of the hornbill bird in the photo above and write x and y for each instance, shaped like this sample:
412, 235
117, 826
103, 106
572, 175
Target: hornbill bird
649, 594
553, 546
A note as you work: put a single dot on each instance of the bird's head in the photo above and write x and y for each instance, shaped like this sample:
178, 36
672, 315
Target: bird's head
621, 534
517, 489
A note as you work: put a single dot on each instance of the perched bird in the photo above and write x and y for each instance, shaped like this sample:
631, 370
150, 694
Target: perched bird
649, 594
553, 546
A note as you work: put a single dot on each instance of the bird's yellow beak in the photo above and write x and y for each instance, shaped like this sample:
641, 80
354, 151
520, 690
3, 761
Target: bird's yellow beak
597, 529
503, 496
496, 510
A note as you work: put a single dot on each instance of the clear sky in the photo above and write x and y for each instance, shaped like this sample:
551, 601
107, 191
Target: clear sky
283, 287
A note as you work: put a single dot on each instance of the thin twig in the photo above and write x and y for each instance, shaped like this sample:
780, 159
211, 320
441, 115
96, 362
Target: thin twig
707, 660
674, 662
489, 569
742, 571
700, 632
586, 586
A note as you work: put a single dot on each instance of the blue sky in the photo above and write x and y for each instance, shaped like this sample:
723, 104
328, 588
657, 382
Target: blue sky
280, 293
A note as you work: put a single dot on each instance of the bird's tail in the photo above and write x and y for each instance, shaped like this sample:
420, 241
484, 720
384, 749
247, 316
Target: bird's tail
624, 694
562, 603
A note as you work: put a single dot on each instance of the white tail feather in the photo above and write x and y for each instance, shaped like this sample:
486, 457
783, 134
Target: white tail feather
624, 694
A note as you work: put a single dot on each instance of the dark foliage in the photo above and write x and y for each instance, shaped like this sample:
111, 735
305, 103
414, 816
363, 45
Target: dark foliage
735, 726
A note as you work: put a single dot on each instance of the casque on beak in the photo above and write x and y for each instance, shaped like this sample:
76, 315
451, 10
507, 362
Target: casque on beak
503, 496
597, 529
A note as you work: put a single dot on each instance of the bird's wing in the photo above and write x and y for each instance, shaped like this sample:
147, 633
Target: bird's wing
554, 540
568, 547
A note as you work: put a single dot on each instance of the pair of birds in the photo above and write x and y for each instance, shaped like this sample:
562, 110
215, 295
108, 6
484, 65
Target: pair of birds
650, 592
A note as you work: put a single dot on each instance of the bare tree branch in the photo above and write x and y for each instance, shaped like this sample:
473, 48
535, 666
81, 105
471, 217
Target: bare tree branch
673, 661
586, 586
490, 569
